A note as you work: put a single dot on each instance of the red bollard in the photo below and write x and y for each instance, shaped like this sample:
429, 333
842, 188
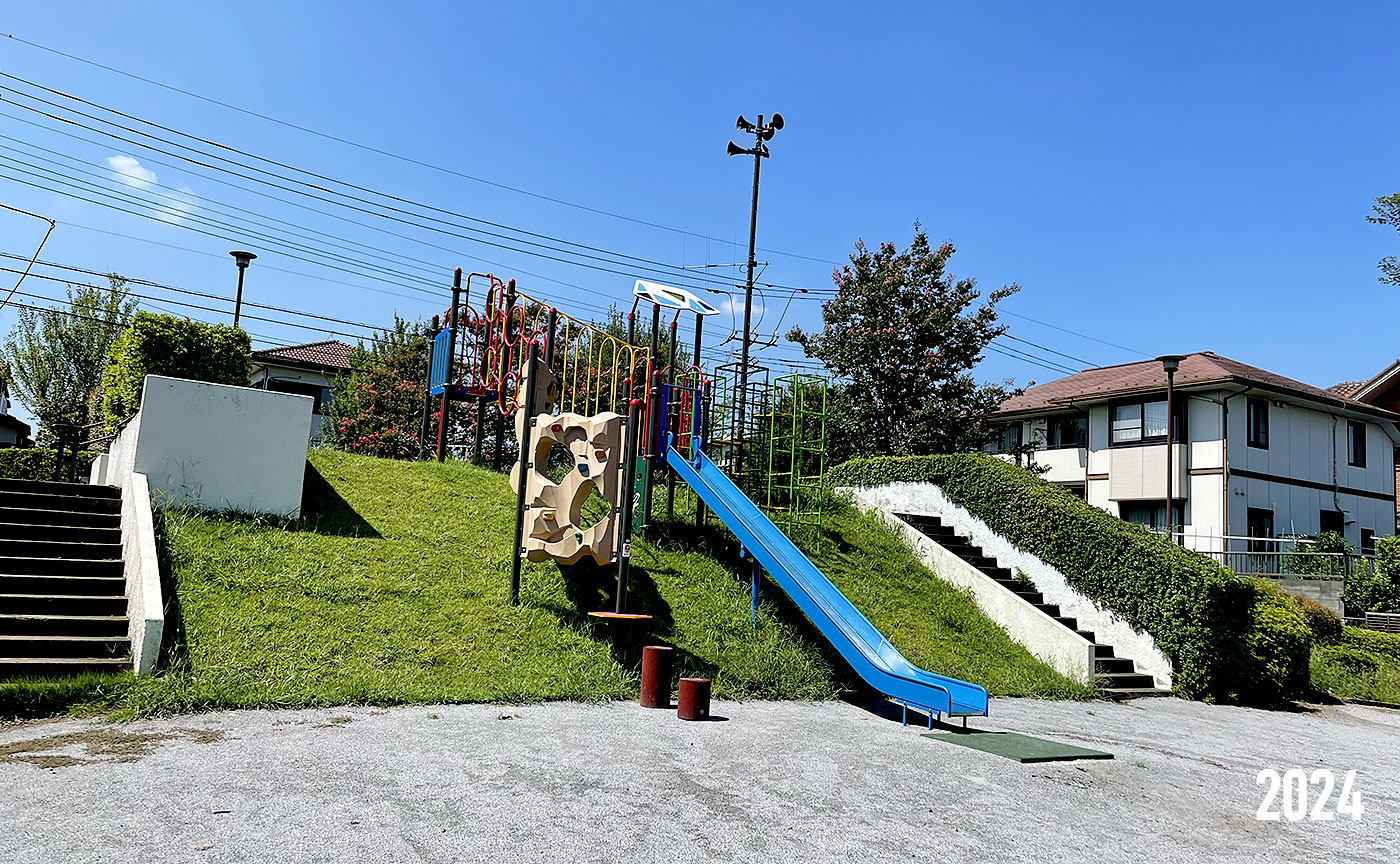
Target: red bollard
656, 676
694, 701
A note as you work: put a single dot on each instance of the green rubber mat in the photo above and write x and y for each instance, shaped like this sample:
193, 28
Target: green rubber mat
1022, 748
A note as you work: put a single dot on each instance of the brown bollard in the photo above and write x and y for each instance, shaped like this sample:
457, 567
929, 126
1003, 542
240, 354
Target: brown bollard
694, 701
656, 676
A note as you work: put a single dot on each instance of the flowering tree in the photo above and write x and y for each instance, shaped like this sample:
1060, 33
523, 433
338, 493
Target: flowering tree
377, 409
903, 335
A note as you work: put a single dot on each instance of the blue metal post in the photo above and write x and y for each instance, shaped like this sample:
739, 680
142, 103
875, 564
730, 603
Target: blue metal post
757, 577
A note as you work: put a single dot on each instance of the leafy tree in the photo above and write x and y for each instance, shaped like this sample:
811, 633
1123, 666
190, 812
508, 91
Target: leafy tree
1387, 212
377, 409
903, 335
57, 356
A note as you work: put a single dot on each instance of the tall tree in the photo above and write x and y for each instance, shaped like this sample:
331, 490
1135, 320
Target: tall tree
57, 356
902, 335
1387, 212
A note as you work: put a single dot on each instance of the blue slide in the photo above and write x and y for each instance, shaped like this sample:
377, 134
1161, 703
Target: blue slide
852, 634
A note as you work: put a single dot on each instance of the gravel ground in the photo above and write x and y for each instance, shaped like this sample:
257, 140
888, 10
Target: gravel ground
772, 782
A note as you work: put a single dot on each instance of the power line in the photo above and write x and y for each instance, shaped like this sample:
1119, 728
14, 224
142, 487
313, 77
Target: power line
1073, 332
406, 159
670, 271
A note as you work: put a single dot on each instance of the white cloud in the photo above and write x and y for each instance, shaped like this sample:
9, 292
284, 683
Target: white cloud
129, 171
170, 206
176, 205
733, 304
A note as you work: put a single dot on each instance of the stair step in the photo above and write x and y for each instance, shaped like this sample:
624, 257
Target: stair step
1088, 635
51, 501
1106, 665
46, 487
58, 625
40, 516
1103, 651
998, 573
1122, 680
34, 667
62, 604
1049, 609
64, 646
77, 586
62, 533
37, 548
1118, 693
1071, 623
60, 566
980, 561
1035, 598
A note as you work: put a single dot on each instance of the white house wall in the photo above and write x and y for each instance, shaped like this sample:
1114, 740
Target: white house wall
1309, 445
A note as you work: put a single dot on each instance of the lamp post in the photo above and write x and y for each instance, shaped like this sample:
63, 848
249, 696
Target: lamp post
1170, 363
761, 133
242, 259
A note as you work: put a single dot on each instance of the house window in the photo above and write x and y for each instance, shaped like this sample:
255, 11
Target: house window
1356, 444
323, 402
1368, 541
1151, 514
1259, 523
1007, 440
1257, 415
1331, 520
1136, 422
1068, 432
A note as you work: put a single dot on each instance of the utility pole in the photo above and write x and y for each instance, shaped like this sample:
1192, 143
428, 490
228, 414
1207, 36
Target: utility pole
761, 133
243, 259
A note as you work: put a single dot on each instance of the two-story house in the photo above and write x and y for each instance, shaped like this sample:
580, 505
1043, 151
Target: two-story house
307, 370
1255, 454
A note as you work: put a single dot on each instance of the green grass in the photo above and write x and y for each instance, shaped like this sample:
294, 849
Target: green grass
393, 589
1362, 665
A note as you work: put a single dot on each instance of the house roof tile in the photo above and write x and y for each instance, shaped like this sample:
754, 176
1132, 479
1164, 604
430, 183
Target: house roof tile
1203, 367
329, 354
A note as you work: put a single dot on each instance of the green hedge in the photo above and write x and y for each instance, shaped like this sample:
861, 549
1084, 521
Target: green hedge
1375, 642
175, 347
1229, 639
37, 463
1375, 585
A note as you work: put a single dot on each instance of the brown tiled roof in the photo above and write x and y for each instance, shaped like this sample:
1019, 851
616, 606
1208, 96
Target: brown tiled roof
1346, 388
1147, 376
330, 354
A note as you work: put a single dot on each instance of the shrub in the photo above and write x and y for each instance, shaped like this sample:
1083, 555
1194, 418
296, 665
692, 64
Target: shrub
1387, 644
1321, 556
36, 463
1228, 639
1324, 624
1351, 660
377, 409
1279, 644
1375, 586
176, 347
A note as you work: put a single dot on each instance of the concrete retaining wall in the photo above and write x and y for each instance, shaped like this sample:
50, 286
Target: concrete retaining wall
1328, 592
928, 499
145, 607
215, 447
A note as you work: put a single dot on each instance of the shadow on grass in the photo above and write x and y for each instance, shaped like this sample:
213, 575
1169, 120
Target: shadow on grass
323, 511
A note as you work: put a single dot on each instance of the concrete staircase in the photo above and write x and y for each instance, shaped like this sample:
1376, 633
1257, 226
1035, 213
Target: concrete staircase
63, 602
1117, 676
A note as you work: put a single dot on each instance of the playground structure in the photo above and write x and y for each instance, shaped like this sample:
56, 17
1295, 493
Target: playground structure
613, 415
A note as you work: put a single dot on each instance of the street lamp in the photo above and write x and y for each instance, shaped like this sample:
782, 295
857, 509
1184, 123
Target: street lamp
761, 133
1170, 363
242, 259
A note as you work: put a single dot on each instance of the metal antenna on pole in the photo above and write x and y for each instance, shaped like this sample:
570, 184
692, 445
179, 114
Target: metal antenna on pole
761, 133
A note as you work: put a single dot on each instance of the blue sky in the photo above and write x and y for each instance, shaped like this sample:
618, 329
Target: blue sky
1167, 179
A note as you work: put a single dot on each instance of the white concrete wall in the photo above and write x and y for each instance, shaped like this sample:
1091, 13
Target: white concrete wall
1047, 639
928, 499
145, 607
216, 447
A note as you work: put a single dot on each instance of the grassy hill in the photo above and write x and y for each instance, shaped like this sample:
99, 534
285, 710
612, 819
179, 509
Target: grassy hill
392, 588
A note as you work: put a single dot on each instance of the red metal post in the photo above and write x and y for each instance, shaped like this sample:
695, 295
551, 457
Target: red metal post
693, 699
656, 676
